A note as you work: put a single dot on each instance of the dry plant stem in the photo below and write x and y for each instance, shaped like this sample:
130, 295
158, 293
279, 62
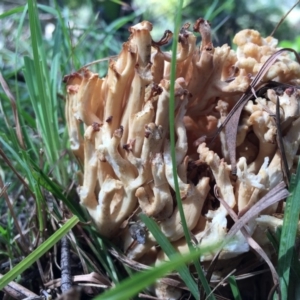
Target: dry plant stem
98, 61
17, 291
283, 18
7, 264
221, 283
24, 242
252, 243
231, 122
92, 278
10, 165
14, 109
65, 265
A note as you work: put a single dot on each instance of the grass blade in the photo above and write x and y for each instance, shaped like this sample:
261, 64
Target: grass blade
12, 11
170, 251
43, 180
131, 286
37, 253
40, 81
234, 288
288, 234
173, 152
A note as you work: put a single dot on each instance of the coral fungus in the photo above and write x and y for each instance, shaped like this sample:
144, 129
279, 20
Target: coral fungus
125, 148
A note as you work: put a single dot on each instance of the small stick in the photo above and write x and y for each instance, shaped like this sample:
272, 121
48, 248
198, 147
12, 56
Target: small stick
283, 18
24, 244
66, 276
17, 291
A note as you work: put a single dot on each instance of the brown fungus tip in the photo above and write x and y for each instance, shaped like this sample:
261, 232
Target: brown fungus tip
72, 89
185, 27
147, 134
156, 90
290, 91
148, 131
119, 132
71, 76
96, 126
198, 24
164, 40
109, 119
203, 27
183, 33
126, 147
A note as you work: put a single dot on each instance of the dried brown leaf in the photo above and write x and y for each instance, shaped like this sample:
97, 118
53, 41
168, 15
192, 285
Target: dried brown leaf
92, 278
17, 291
276, 194
232, 120
8, 162
283, 18
24, 245
130, 263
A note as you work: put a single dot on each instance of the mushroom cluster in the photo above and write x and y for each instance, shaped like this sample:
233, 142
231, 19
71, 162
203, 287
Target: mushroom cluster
119, 131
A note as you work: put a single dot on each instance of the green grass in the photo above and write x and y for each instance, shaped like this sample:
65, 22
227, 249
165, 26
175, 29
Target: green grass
288, 236
36, 161
38, 252
200, 272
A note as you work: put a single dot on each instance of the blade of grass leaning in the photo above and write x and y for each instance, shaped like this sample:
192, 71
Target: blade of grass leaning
221, 7
172, 121
234, 288
173, 152
113, 271
12, 11
40, 79
95, 243
288, 234
66, 41
170, 251
139, 281
38, 252
43, 180
211, 9
21, 156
